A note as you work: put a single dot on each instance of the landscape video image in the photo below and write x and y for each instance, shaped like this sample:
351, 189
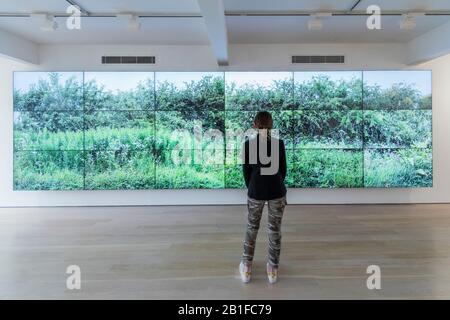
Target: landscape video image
184, 130
398, 129
328, 130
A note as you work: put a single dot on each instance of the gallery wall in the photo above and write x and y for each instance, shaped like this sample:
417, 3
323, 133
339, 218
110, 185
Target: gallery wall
242, 58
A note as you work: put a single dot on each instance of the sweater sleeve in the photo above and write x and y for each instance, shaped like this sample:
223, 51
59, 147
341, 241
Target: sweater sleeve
283, 165
246, 167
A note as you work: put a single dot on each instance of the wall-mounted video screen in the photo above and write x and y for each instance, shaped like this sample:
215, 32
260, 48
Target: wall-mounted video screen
184, 130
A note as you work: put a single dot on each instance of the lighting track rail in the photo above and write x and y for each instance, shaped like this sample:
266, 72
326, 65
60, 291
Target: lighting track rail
333, 13
355, 5
227, 14
101, 15
82, 10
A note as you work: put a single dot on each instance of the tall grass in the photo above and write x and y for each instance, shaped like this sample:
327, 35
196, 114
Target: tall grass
328, 169
48, 170
398, 168
46, 140
133, 159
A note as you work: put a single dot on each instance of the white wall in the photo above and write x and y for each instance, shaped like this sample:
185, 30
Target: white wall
242, 57
23, 50
430, 45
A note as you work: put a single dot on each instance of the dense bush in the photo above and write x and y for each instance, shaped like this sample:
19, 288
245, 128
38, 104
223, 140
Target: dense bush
51, 95
241, 121
253, 97
328, 129
400, 96
399, 128
323, 93
97, 97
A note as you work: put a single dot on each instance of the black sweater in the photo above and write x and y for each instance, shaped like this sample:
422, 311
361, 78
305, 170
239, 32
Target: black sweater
264, 187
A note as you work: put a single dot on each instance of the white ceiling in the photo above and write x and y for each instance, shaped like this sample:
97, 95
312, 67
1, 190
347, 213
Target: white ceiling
287, 5
409, 5
190, 6
336, 29
103, 6
344, 5
155, 6
158, 31
241, 29
25, 6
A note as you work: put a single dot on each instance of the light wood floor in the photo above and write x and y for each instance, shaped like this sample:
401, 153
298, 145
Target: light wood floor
192, 252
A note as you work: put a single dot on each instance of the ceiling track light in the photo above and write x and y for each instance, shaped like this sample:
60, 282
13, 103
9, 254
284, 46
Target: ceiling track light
315, 24
315, 21
132, 19
409, 20
46, 21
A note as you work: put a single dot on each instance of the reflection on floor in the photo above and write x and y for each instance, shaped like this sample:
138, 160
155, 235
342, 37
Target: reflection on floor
193, 252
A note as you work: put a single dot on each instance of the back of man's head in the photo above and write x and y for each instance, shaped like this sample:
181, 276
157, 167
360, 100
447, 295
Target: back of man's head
263, 120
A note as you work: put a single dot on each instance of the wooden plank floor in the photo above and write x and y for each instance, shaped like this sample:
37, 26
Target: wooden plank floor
193, 252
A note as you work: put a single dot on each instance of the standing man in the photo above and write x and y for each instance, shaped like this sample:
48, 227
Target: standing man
264, 168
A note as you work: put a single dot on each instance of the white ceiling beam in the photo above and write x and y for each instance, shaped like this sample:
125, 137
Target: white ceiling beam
213, 13
18, 48
431, 45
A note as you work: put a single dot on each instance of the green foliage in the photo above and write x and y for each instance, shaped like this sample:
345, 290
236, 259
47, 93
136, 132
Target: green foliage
395, 129
237, 123
323, 93
195, 98
254, 97
96, 97
398, 168
189, 177
173, 128
197, 104
330, 129
119, 130
48, 121
120, 170
123, 140
328, 169
46, 141
400, 96
48, 170
119, 139
233, 177
50, 95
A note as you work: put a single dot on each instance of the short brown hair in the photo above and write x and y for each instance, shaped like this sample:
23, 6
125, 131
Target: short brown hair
263, 120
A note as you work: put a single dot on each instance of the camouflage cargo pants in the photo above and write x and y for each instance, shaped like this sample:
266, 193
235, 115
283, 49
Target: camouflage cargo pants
255, 209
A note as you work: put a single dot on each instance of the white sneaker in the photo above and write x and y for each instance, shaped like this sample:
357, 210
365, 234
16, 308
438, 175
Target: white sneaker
272, 274
246, 272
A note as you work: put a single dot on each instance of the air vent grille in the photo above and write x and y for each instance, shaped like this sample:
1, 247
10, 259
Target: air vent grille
318, 59
128, 60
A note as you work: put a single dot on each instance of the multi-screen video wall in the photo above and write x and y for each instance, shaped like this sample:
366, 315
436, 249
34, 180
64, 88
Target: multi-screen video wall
178, 130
